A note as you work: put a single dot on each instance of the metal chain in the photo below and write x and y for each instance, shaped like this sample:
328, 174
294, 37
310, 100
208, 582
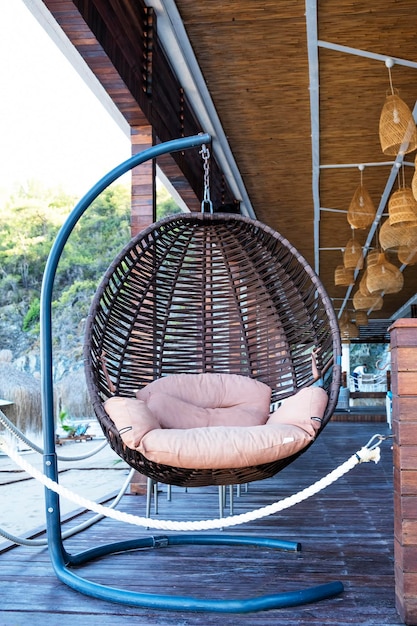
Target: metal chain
205, 154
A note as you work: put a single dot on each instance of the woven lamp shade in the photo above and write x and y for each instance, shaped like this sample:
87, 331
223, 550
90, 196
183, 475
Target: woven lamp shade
402, 207
392, 237
410, 236
397, 129
349, 331
362, 284
384, 276
344, 318
407, 255
361, 318
366, 303
353, 255
361, 212
372, 257
343, 277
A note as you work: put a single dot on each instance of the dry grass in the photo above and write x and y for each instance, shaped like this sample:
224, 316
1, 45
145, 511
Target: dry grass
25, 392
72, 396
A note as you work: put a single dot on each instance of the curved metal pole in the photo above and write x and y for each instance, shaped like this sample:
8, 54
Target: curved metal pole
46, 351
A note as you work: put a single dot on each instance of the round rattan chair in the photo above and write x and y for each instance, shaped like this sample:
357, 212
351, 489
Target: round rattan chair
199, 293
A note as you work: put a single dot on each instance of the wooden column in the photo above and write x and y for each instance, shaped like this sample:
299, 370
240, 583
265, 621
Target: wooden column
404, 388
143, 182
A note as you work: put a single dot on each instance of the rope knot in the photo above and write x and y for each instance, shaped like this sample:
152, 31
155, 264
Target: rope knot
365, 455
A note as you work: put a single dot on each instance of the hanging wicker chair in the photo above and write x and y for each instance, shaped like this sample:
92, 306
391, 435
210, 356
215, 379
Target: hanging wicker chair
203, 294
208, 293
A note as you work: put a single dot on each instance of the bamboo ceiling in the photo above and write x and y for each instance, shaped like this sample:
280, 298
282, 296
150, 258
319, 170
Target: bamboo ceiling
266, 65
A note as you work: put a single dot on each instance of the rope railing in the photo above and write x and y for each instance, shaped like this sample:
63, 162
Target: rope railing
19, 435
73, 531
370, 452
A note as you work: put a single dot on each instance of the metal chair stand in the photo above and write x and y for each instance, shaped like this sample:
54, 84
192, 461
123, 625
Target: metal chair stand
61, 560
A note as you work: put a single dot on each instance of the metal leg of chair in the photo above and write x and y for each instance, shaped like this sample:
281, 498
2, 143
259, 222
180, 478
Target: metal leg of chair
151, 489
231, 499
222, 493
155, 497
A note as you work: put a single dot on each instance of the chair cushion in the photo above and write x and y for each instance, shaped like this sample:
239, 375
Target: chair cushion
304, 409
198, 400
132, 417
223, 447
288, 430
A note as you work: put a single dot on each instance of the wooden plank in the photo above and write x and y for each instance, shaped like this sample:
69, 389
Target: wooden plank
405, 383
406, 434
405, 456
405, 408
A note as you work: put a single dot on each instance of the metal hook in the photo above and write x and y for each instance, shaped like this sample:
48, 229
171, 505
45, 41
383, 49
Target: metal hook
380, 438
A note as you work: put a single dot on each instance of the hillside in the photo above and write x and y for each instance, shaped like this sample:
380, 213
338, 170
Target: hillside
29, 222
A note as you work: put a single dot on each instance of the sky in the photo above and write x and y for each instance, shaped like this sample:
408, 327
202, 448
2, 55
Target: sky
53, 129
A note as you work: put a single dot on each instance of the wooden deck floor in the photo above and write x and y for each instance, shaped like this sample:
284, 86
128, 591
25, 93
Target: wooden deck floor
346, 533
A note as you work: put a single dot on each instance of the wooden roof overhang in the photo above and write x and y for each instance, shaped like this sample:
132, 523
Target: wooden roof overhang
295, 89
119, 43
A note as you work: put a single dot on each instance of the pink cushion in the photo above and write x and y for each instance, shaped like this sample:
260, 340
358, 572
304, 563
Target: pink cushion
132, 417
300, 408
223, 447
174, 413
174, 398
217, 447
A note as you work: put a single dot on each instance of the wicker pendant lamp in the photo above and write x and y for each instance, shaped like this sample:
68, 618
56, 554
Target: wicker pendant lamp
353, 255
349, 331
362, 285
392, 237
361, 212
361, 318
407, 252
407, 255
372, 257
343, 277
397, 128
364, 289
344, 318
402, 207
367, 303
384, 276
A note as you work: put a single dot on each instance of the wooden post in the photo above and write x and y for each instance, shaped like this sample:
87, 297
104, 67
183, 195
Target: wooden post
143, 182
404, 388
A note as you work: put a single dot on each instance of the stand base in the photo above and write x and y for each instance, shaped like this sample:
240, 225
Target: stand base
185, 603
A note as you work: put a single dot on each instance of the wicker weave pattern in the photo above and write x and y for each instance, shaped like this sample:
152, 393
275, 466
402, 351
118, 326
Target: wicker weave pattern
397, 129
361, 211
384, 277
392, 237
366, 303
353, 255
207, 293
343, 276
402, 207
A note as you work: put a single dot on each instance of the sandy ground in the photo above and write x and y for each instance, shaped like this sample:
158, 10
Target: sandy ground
22, 503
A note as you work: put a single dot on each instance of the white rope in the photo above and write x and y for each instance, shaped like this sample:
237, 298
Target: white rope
364, 455
19, 435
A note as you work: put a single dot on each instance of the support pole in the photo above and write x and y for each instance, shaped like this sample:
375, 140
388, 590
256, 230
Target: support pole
404, 412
